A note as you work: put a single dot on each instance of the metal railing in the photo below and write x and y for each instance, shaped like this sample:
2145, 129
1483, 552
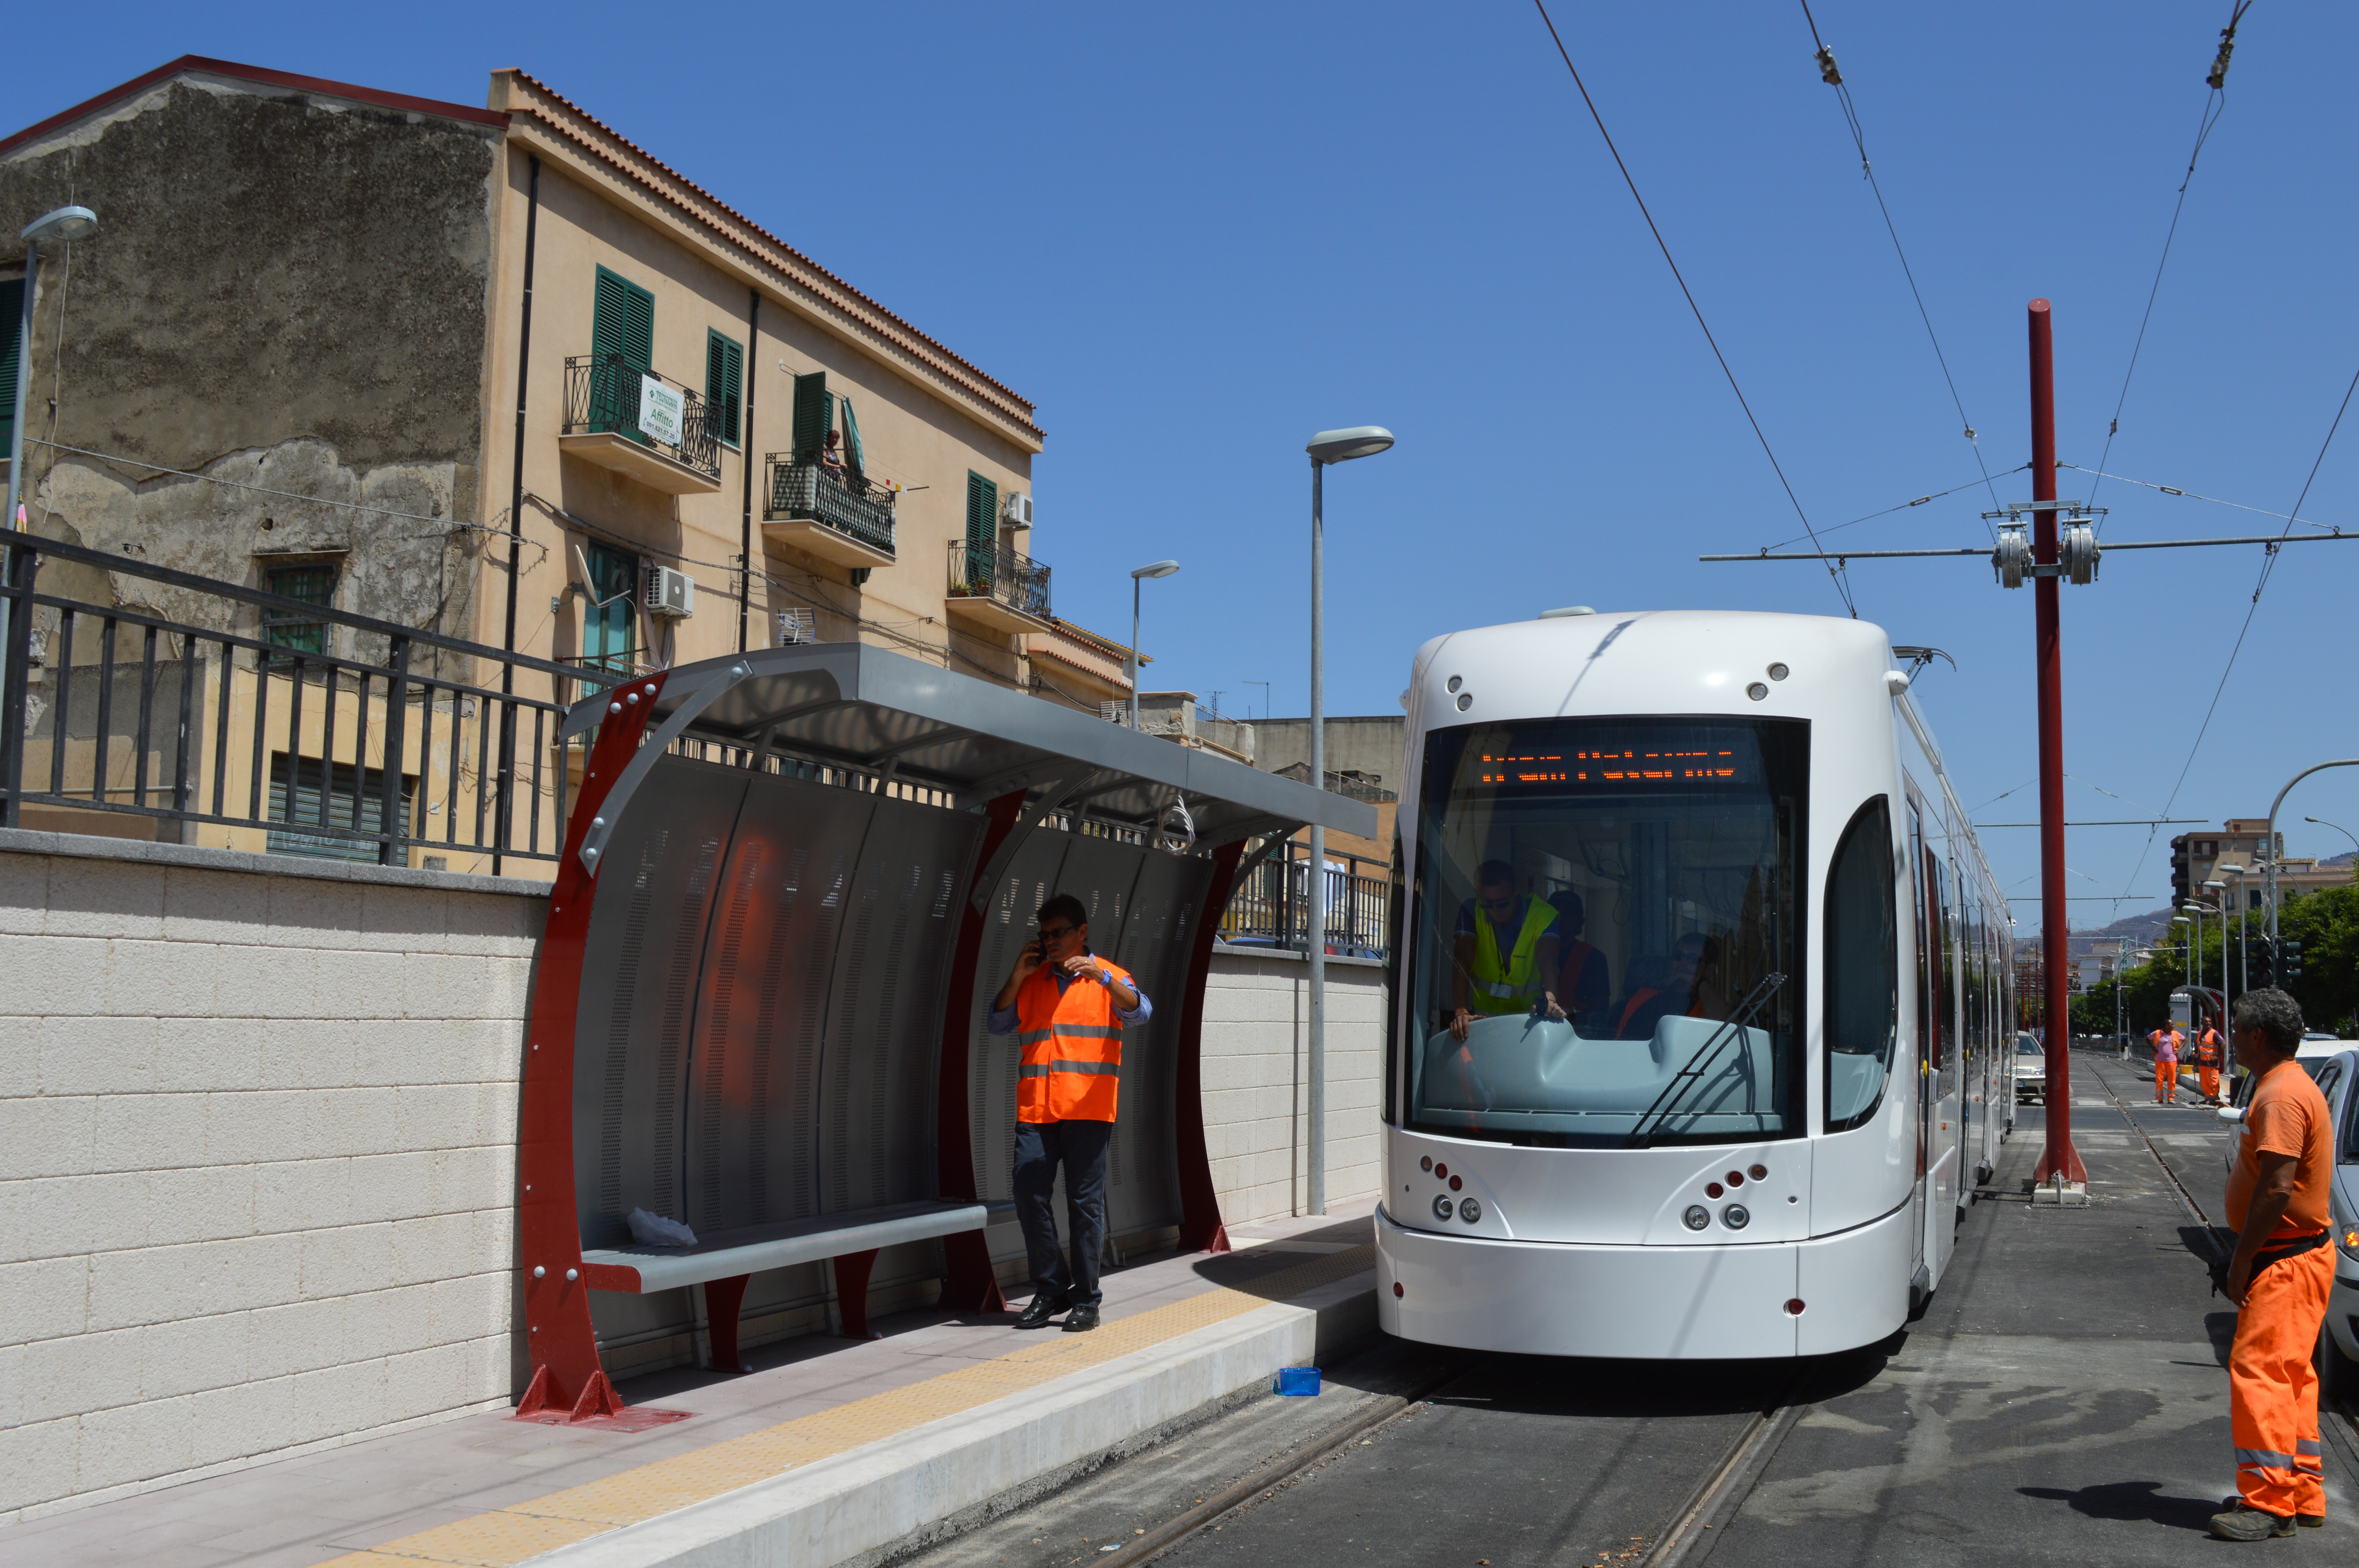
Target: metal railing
604, 392
387, 739
979, 571
1271, 905
855, 506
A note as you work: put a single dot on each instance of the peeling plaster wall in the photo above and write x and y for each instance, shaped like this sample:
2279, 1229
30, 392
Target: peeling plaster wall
285, 289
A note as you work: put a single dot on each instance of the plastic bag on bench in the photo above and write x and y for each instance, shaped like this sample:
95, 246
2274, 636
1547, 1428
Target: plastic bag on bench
654, 1231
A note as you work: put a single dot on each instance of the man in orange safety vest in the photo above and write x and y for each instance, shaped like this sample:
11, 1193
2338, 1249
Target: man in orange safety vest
1067, 1007
2207, 1063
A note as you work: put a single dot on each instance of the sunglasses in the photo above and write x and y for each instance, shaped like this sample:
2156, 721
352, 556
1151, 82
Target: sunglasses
1506, 903
1050, 932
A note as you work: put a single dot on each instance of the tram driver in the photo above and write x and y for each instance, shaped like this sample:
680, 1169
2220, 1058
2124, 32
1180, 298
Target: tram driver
1504, 940
1677, 986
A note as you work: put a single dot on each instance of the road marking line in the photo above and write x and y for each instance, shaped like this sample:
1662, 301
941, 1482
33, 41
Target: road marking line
509, 1535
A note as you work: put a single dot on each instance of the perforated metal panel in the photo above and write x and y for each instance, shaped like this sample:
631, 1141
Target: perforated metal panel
992, 1059
644, 945
1142, 1189
753, 1149
875, 1104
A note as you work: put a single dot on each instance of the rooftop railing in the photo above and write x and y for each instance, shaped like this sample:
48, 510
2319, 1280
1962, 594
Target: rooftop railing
1271, 906
183, 703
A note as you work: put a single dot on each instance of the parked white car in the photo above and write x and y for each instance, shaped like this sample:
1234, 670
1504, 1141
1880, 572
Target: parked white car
2030, 1067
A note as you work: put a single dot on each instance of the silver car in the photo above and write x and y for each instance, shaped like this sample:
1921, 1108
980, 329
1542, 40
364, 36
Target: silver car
2335, 1064
2030, 1064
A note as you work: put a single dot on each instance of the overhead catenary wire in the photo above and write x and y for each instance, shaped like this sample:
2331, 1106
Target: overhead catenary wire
2192, 495
1835, 575
1832, 76
1902, 506
2268, 567
2215, 102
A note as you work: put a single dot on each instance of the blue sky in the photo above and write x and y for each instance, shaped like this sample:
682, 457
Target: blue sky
1195, 234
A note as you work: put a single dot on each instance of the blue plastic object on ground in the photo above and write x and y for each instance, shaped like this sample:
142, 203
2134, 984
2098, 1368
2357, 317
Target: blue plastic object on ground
1302, 1380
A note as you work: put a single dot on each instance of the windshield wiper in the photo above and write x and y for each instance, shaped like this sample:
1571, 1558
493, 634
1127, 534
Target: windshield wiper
1692, 1070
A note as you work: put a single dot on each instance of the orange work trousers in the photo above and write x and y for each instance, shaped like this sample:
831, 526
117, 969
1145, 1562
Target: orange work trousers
2273, 1387
2166, 1080
2209, 1076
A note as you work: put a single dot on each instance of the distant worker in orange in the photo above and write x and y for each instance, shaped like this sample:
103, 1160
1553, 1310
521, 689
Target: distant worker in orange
2166, 1041
2279, 1278
2207, 1063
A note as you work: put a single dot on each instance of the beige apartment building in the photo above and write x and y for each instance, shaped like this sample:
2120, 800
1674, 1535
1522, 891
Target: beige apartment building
2236, 856
387, 353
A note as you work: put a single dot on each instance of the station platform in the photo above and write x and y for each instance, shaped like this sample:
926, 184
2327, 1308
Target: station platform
829, 1451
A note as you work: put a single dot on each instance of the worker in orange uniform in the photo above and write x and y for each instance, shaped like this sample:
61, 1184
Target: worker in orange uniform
2207, 1063
1067, 1007
2166, 1041
2279, 1278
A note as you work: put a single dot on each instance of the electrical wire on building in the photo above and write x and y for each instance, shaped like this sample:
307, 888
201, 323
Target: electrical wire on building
1832, 76
1835, 570
2215, 101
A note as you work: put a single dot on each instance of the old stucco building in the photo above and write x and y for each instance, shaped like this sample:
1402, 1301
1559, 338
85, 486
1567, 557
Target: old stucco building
370, 350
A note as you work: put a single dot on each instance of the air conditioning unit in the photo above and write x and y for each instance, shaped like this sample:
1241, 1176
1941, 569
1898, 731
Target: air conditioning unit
1018, 510
670, 594
797, 627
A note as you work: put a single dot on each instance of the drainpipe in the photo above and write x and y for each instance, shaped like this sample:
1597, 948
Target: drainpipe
515, 518
746, 461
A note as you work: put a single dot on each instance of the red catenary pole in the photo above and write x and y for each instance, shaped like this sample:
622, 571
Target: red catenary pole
2059, 1156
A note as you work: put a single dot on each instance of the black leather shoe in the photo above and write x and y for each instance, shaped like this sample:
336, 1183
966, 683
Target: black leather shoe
1082, 1318
1043, 1308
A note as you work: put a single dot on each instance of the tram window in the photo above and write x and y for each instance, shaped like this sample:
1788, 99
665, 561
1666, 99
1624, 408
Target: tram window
1861, 937
1644, 871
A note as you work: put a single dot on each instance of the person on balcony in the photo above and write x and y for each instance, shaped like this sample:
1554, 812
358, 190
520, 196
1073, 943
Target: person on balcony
831, 457
1067, 1007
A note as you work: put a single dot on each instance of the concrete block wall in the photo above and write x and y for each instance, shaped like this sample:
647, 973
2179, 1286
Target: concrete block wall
1257, 1104
257, 1122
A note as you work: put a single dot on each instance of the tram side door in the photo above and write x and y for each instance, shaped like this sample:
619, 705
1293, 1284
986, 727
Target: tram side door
1919, 865
1946, 1150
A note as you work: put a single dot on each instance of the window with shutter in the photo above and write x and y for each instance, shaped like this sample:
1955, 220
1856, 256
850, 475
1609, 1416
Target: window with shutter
623, 321
724, 384
982, 530
814, 416
12, 316
608, 619
854, 459
354, 798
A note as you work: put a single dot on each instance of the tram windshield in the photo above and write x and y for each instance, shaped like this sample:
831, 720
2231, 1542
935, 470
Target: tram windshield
1605, 948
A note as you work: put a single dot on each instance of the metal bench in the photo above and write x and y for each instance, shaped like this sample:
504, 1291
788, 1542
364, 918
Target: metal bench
724, 1260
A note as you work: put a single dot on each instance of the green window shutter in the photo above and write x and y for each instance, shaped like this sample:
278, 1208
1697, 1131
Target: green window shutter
982, 512
814, 416
622, 321
724, 384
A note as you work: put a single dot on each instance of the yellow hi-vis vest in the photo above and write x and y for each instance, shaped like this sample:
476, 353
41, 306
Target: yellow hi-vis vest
1506, 989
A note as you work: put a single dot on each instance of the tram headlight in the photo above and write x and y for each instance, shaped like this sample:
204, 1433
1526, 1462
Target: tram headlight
1696, 1217
1736, 1216
1442, 1206
1470, 1211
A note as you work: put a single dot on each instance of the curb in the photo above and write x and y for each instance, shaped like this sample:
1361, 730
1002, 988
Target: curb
893, 1497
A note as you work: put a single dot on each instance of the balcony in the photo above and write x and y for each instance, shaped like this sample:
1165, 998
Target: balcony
649, 427
998, 589
841, 517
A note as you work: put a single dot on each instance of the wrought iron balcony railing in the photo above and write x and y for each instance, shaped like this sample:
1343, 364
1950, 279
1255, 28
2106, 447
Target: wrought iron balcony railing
979, 571
606, 392
857, 507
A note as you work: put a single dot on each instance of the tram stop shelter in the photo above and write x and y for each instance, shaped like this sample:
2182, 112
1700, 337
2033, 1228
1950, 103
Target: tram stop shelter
792, 881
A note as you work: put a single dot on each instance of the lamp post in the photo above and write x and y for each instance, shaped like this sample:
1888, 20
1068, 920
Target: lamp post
2338, 828
2219, 890
66, 224
1325, 448
1161, 569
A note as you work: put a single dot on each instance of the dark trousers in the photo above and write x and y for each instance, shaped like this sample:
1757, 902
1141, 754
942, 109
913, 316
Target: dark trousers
1080, 1147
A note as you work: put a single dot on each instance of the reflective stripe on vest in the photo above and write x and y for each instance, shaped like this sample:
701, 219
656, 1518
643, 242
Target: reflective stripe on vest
1071, 1047
1501, 988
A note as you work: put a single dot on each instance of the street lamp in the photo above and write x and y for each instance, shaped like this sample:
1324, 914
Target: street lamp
2338, 828
1161, 569
66, 224
1325, 448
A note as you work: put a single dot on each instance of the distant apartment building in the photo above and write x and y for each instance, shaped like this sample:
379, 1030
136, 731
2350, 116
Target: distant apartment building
500, 374
2237, 854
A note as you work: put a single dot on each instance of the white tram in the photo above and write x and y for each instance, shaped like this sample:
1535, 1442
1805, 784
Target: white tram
1774, 1072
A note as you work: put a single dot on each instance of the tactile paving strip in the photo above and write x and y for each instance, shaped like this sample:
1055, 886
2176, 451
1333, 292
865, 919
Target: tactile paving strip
526, 1529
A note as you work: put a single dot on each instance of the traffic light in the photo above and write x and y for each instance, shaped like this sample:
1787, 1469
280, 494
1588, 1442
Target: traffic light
2288, 965
2264, 971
